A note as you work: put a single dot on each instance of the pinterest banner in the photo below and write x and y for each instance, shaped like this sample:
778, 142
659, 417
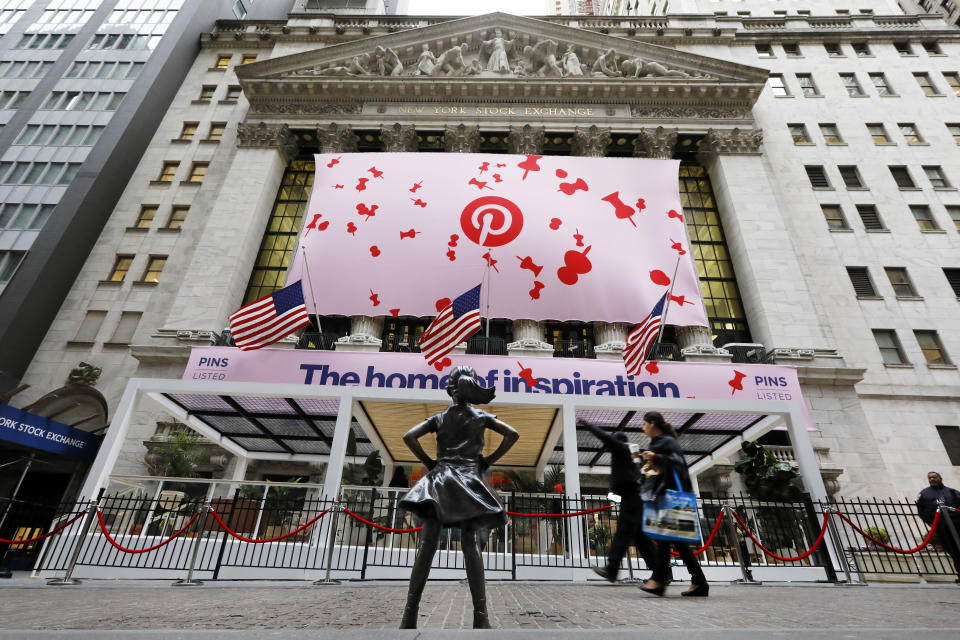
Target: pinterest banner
550, 237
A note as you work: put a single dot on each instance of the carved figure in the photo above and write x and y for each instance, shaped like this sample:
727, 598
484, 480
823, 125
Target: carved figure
542, 59
388, 62
83, 373
606, 65
495, 52
450, 62
426, 62
454, 492
570, 63
637, 68
334, 71
359, 66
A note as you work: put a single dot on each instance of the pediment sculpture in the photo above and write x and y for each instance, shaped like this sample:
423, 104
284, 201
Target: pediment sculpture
499, 57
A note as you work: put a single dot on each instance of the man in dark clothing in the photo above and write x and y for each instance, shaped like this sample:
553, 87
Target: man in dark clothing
624, 476
928, 502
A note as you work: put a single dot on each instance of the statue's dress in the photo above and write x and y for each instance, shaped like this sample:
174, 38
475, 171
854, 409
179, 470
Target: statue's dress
454, 491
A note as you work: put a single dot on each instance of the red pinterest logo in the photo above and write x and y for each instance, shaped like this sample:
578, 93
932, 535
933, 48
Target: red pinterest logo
491, 221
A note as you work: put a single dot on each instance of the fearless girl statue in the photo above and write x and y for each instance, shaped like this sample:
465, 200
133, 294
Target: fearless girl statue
454, 492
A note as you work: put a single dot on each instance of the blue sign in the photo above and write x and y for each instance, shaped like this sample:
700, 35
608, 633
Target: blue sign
46, 435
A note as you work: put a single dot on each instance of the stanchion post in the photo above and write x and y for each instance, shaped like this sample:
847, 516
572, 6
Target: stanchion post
947, 517
68, 579
333, 538
513, 535
747, 578
205, 509
837, 543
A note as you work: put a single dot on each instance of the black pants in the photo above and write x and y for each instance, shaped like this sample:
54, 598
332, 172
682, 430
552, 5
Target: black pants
629, 531
661, 569
945, 540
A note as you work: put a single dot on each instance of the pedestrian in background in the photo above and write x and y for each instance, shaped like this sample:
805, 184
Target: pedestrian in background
665, 452
928, 502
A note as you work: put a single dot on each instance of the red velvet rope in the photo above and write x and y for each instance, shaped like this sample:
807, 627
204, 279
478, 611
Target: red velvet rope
379, 526
823, 530
103, 527
262, 540
706, 544
926, 541
48, 533
558, 515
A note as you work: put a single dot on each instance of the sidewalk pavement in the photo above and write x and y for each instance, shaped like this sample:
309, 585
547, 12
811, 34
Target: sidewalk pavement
152, 610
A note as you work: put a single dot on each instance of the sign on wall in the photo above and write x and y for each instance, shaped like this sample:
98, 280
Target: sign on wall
550, 237
44, 434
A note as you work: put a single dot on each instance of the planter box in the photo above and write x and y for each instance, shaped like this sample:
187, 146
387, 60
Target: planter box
936, 566
885, 566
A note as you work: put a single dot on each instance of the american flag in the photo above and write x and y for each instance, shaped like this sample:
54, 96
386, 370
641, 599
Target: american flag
642, 336
272, 317
456, 322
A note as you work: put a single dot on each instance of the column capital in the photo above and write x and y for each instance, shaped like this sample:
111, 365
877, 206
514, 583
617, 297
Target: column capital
267, 136
655, 143
334, 137
461, 138
592, 142
730, 142
399, 137
526, 140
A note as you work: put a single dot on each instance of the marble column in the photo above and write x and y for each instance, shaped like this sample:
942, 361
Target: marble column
591, 142
461, 138
336, 138
526, 140
216, 277
399, 137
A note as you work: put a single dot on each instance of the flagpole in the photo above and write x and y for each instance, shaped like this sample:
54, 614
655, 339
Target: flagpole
316, 313
489, 260
666, 306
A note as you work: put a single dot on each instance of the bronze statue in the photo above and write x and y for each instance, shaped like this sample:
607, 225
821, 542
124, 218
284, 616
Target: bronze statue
454, 493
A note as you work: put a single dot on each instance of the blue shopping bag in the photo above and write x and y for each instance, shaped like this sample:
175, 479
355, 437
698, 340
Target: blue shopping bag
673, 516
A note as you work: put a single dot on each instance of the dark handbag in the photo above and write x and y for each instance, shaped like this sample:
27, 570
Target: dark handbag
672, 516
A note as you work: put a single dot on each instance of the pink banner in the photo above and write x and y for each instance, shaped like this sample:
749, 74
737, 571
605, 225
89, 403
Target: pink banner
551, 237
548, 376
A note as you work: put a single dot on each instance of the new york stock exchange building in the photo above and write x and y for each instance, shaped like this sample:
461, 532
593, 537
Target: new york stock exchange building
828, 266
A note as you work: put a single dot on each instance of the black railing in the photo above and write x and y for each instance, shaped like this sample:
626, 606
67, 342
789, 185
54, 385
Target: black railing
399, 343
487, 346
749, 353
665, 351
573, 349
319, 341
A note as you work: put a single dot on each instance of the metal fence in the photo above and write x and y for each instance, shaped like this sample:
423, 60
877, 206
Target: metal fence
536, 540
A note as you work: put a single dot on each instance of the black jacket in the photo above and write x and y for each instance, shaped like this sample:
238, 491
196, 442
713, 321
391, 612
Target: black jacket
670, 459
930, 498
624, 474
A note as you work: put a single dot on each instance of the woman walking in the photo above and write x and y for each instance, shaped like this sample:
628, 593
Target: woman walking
664, 452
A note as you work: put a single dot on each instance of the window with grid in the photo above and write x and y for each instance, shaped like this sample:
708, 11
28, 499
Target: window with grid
120, 268
833, 49
223, 61
807, 85
178, 214
881, 85
879, 133
900, 281
777, 85
791, 49
155, 265
168, 171
953, 81
188, 131
207, 91
954, 129
931, 347
799, 133
862, 49
926, 85
830, 132
870, 218
954, 212
910, 133
216, 131
953, 279
860, 279
833, 214
764, 50
902, 177
851, 84
197, 172
233, 92
936, 176
950, 437
147, 213
924, 217
903, 48
817, 176
851, 177
889, 346
280, 237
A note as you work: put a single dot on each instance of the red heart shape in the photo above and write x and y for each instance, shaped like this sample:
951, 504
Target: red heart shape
555, 223
374, 251
323, 225
652, 367
351, 228
439, 365
561, 173
441, 303
395, 312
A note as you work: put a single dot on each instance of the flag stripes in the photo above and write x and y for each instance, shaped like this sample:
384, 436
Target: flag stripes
641, 338
271, 318
454, 324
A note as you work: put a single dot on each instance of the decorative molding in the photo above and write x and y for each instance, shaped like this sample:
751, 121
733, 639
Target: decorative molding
399, 137
526, 140
302, 107
734, 141
655, 143
461, 138
682, 112
334, 138
592, 142
84, 374
267, 136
